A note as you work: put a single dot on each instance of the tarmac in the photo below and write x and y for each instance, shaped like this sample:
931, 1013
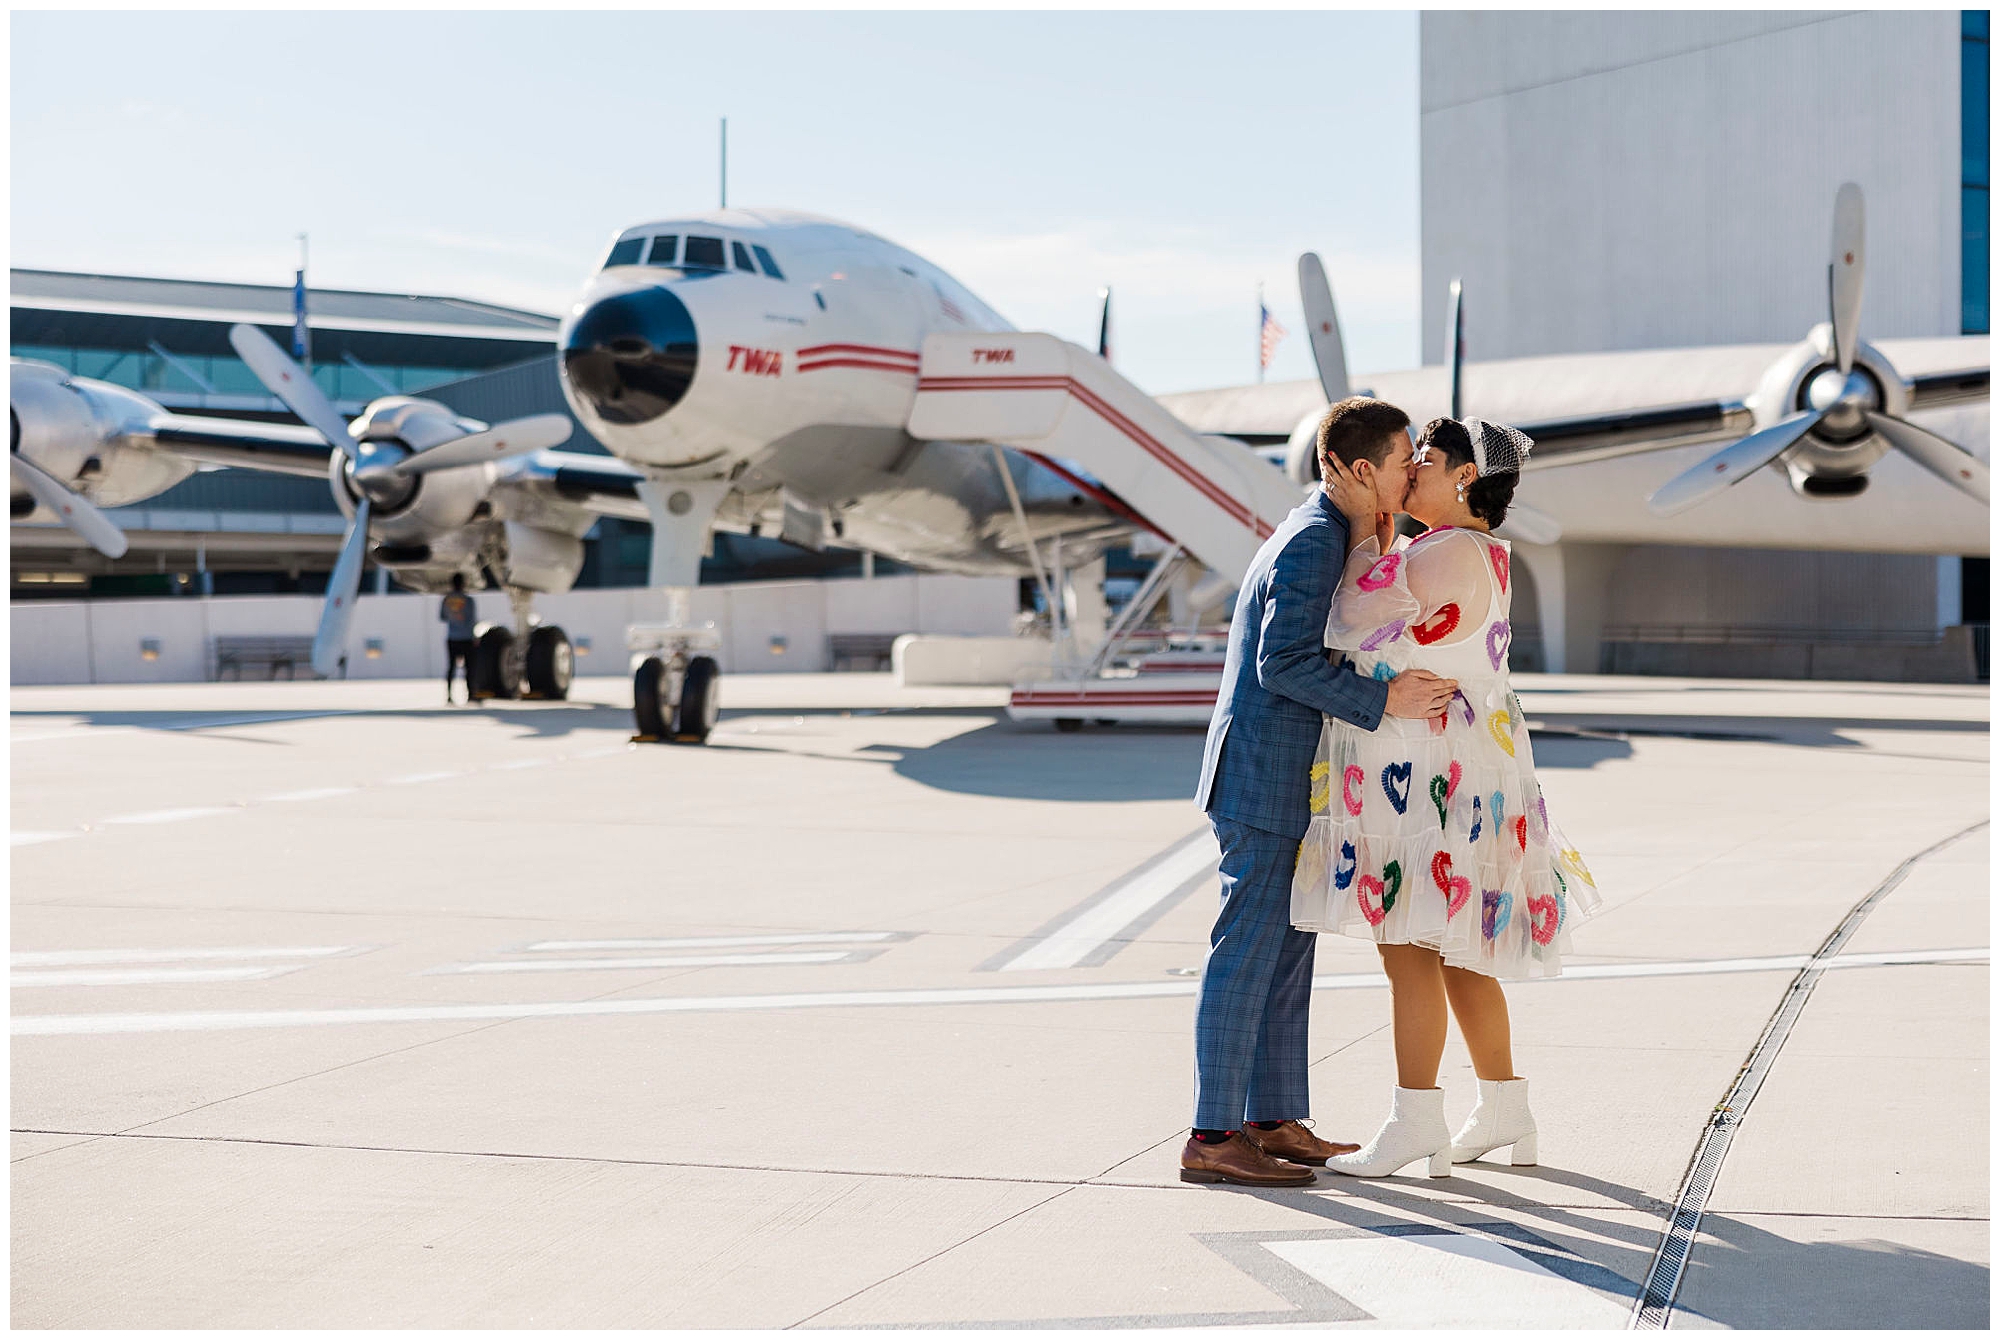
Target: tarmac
336, 1006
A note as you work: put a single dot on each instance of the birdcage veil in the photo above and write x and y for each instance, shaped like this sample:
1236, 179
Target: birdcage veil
1496, 448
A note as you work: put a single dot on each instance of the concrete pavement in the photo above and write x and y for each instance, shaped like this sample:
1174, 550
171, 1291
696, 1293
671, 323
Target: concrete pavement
334, 1006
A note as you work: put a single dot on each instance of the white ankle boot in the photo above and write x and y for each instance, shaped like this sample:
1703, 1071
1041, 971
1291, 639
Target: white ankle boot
1500, 1118
1415, 1130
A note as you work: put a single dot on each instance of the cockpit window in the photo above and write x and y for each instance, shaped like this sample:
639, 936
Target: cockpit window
742, 255
705, 253
664, 249
626, 252
770, 266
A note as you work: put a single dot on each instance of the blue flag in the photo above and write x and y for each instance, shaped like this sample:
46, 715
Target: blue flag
301, 343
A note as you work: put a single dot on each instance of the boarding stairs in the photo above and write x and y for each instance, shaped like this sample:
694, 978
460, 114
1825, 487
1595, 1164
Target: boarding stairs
1211, 499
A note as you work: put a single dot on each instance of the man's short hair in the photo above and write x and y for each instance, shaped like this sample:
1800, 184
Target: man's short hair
458, 581
1360, 428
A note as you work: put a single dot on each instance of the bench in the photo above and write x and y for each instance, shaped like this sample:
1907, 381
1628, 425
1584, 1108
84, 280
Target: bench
860, 651
234, 652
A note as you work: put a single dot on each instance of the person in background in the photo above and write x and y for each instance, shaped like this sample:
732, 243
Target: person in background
459, 615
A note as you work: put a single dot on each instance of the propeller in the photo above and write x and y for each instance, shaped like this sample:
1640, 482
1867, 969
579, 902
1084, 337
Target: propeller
1530, 525
1946, 460
516, 437
1844, 274
292, 384
1732, 463
73, 509
1847, 401
1104, 326
1323, 327
330, 642
1454, 338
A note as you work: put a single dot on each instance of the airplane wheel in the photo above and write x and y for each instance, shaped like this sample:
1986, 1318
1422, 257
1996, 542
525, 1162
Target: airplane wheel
1068, 724
652, 712
701, 704
496, 663
551, 663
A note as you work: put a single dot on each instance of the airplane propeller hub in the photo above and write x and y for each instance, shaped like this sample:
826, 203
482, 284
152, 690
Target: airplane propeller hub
1844, 401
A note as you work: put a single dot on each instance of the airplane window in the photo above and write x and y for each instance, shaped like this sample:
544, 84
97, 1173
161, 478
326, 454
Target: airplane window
742, 254
770, 266
625, 253
705, 253
663, 250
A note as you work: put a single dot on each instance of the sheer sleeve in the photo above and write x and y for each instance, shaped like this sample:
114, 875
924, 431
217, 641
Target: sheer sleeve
1374, 604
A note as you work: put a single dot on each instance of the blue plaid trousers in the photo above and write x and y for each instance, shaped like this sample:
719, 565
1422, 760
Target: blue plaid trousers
1256, 988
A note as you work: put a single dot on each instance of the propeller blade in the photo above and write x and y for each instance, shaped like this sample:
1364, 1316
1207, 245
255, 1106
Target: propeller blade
1947, 460
1725, 467
1104, 326
1845, 273
1529, 525
290, 383
330, 643
516, 437
71, 508
1323, 327
1454, 335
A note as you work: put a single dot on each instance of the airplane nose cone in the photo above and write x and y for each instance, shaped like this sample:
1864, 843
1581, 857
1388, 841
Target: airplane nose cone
631, 357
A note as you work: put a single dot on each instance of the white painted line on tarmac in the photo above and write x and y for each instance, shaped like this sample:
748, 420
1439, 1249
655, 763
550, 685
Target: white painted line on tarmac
173, 816
53, 1025
1449, 1281
679, 961
716, 941
83, 730
30, 838
512, 764
317, 793
414, 778
1106, 918
145, 976
80, 958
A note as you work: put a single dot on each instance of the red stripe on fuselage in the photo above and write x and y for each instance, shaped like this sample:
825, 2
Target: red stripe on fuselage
872, 349
818, 364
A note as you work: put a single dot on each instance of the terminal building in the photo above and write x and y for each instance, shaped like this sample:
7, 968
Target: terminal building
1629, 180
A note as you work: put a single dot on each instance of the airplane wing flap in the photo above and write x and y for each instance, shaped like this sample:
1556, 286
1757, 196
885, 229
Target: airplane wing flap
274, 448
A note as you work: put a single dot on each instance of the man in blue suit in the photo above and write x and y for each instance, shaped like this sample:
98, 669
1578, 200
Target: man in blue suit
1256, 986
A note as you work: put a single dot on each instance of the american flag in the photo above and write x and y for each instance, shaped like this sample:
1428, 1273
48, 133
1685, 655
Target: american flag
1269, 332
301, 338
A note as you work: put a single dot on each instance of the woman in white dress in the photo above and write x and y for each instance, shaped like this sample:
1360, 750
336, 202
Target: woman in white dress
1430, 837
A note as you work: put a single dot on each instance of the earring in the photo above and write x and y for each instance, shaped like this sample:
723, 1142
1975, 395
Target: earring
1461, 490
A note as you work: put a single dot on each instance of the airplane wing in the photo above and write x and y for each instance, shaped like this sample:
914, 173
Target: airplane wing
601, 484
277, 448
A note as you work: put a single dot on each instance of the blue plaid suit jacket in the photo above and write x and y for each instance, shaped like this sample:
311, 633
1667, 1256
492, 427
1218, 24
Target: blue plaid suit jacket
1278, 678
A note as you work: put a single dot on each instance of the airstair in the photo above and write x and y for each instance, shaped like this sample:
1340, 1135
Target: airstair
1211, 500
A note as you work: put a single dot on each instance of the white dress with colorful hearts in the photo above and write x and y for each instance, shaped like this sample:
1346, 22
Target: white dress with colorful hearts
1436, 833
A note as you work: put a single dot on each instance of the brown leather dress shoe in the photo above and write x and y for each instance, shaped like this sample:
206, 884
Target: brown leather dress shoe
1293, 1143
1237, 1160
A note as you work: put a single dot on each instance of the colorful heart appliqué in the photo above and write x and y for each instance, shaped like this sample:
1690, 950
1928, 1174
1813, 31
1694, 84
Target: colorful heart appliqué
1440, 792
1343, 874
1498, 637
1544, 917
1455, 888
1451, 786
1501, 727
1496, 909
1473, 836
1352, 783
1464, 704
1382, 574
1521, 831
1573, 858
1394, 776
1439, 625
1499, 809
1385, 634
1382, 672
1499, 557
1322, 788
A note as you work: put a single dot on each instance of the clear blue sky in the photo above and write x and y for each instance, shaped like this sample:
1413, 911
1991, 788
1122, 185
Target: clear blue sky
1181, 158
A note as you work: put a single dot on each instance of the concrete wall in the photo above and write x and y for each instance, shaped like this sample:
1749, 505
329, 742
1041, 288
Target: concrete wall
1629, 180
101, 641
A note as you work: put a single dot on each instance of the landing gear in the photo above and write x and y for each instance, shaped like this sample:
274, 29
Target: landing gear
676, 699
551, 663
496, 664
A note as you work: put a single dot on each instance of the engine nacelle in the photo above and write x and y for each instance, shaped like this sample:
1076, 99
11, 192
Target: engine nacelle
1302, 451
418, 509
89, 435
1833, 460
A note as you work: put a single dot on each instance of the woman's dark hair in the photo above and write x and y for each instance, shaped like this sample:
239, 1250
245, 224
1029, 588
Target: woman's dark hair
1486, 496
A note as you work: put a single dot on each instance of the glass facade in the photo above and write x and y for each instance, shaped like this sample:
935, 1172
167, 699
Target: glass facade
1975, 185
150, 374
